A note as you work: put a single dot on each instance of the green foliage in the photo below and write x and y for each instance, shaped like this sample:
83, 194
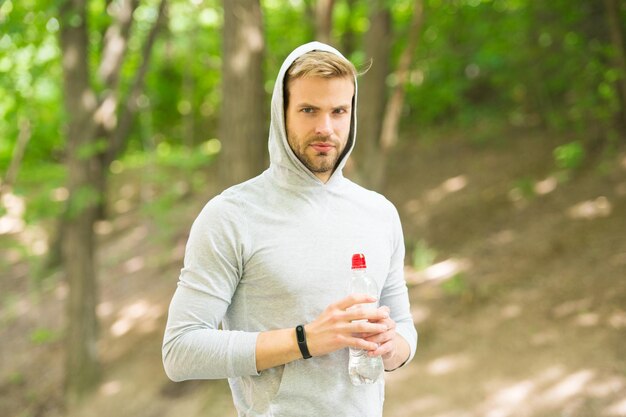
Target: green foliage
569, 156
423, 256
525, 188
90, 149
457, 285
520, 62
16, 378
30, 79
82, 198
44, 336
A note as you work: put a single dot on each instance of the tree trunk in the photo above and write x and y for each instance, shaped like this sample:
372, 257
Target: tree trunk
616, 34
242, 127
373, 93
393, 111
348, 40
82, 366
91, 119
324, 20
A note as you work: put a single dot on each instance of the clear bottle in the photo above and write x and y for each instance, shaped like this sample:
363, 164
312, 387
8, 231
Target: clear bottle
362, 368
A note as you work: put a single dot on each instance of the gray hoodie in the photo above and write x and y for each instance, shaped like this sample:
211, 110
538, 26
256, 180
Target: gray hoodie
274, 252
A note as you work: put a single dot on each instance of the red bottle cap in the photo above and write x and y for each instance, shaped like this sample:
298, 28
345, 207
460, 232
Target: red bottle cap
358, 261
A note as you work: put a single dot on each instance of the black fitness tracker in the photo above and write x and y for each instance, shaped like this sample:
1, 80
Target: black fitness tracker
301, 337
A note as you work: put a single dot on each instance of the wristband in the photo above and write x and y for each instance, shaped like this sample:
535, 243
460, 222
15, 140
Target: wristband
301, 337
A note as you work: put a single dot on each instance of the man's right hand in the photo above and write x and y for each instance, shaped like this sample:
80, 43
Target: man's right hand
337, 327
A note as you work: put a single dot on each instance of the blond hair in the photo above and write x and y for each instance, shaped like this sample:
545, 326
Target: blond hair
317, 64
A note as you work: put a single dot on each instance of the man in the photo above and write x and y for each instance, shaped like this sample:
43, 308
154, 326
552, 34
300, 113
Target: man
275, 252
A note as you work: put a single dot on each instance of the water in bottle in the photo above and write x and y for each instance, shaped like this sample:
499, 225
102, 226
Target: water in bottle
362, 368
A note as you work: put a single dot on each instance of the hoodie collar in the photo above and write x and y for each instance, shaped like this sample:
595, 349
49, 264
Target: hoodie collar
284, 165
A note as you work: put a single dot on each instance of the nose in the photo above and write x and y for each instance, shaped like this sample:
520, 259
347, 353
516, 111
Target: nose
324, 126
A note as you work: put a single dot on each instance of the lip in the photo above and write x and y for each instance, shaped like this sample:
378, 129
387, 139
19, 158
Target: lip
322, 146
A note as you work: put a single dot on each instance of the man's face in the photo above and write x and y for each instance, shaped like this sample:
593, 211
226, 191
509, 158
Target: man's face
318, 121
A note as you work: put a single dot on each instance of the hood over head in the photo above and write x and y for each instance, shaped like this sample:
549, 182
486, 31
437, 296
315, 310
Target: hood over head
283, 161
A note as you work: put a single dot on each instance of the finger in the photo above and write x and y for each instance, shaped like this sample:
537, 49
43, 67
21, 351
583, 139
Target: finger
354, 299
358, 343
381, 350
365, 313
366, 328
380, 338
386, 321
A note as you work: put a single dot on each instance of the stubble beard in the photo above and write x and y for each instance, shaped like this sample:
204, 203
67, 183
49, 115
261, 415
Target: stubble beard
318, 162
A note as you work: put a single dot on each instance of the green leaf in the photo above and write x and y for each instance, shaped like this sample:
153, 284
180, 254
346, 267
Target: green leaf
90, 149
43, 336
81, 199
569, 156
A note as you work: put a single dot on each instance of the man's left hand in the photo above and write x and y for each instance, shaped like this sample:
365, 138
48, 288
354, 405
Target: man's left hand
386, 340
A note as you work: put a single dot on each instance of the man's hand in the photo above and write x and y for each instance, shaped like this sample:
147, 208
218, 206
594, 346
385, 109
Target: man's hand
391, 346
386, 339
336, 327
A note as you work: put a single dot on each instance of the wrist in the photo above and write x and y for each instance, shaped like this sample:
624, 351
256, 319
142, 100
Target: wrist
302, 341
276, 347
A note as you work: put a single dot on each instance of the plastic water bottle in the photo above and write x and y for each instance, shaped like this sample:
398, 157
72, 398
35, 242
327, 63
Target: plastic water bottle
362, 368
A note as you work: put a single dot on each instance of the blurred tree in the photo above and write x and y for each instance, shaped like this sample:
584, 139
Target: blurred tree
618, 54
23, 138
373, 92
379, 134
242, 126
95, 136
324, 20
348, 38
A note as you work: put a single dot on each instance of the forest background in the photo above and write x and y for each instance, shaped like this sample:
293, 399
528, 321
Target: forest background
497, 127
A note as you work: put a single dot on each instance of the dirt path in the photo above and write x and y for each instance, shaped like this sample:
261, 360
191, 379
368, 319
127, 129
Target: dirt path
522, 314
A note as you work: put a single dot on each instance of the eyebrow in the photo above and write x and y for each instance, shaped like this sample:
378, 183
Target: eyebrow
307, 105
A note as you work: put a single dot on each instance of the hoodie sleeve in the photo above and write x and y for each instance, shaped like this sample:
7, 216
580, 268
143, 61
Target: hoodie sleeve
193, 346
395, 293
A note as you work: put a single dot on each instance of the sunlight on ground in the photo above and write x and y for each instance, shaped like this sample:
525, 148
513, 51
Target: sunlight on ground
511, 311
134, 264
618, 320
550, 390
438, 272
449, 186
555, 390
141, 314
571, 307
618, 409
420, 314
448, 364
503, 237
546, 186
110, 388
591, 209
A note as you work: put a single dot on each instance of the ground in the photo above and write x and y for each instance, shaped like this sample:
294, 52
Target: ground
516, 272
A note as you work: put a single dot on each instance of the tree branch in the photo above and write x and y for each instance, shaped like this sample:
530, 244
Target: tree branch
115, 44
80, 99
128, 111
18, 154
389, 135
